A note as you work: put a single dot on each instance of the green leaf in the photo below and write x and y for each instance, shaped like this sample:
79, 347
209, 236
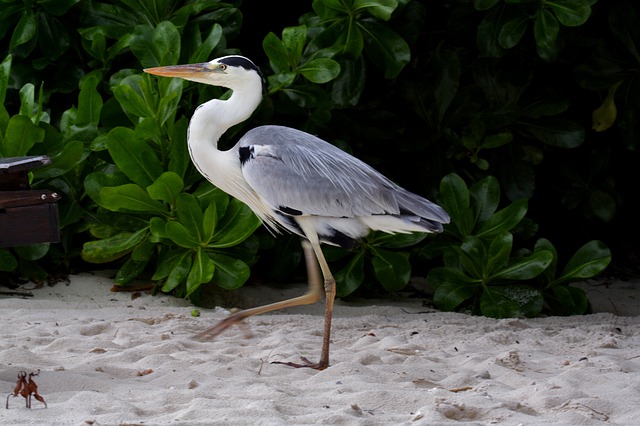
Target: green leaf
397, 241
73, 153
495, 304
588, 261
27, 100
488, 32
32, 271
230, 273
157, 46
452, 286
497, 140
190, 215
53, 37
180, 271
602, 204
206, 193
130, 197
95, 182
57, 7
203, 52
392, 269
455, 198
484, 4
571, 13
512, 31
320, 70
293, 39
130, 270
143, 251
97, 41
385, 47
25, 30
473, 254
8, 262
544, 244
499, 251
134, 156
238, 223
130, 99
89, 101
565, 300
112, 248
167, 261
381, 9
307, 96
280, 81
350, 39
20, 136
158, 228
202, 270
32, 251
485, 196
526, 268
178, 150
180, 235
277, 53
209, 222
5, 72
504, 219
545, 29
555, 132
530, 301
351, 276
171, 89
148, 129
166, 188
327, 9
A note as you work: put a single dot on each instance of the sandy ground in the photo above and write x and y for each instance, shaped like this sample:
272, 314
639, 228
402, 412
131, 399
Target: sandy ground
106, 359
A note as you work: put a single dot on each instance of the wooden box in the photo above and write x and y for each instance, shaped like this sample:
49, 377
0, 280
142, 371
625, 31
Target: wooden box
27, 216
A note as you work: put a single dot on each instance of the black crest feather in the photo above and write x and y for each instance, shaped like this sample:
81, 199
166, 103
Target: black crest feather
239, 61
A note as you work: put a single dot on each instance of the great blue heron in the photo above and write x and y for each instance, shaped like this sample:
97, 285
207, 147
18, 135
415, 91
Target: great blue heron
293, 181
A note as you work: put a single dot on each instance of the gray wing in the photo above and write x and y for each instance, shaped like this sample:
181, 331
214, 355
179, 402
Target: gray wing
298, 173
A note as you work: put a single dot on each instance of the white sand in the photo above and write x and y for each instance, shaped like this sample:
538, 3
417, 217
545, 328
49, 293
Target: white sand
395, 363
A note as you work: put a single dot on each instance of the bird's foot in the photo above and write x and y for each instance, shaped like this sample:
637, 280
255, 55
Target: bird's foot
226, 323
321, 365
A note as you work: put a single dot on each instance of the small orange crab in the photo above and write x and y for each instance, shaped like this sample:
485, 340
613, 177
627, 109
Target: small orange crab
27, 389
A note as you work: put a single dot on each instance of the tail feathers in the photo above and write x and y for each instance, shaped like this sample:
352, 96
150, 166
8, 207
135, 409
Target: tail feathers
412, 204
429, 225
400, 224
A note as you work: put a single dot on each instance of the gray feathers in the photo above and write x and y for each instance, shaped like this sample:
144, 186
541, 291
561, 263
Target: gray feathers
292, 169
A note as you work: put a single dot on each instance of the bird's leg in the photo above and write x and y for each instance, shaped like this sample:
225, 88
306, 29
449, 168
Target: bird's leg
330, 292
313, 294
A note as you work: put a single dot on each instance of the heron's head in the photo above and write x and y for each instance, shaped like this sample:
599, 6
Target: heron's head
228, 71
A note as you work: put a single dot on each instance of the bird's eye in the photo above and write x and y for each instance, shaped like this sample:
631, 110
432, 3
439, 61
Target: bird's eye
222, 67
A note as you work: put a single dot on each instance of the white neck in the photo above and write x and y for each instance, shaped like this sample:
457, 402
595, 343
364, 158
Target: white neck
208, 124
213, 118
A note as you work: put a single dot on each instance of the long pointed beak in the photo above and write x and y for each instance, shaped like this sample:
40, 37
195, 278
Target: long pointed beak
182, 71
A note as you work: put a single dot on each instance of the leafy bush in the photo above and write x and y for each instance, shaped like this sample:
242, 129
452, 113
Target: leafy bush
506, 22
144, 210
498, 95
29, 132
152, 207
483, 273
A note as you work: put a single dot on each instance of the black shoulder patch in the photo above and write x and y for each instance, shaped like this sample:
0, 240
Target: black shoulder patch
245, 153
240, 61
